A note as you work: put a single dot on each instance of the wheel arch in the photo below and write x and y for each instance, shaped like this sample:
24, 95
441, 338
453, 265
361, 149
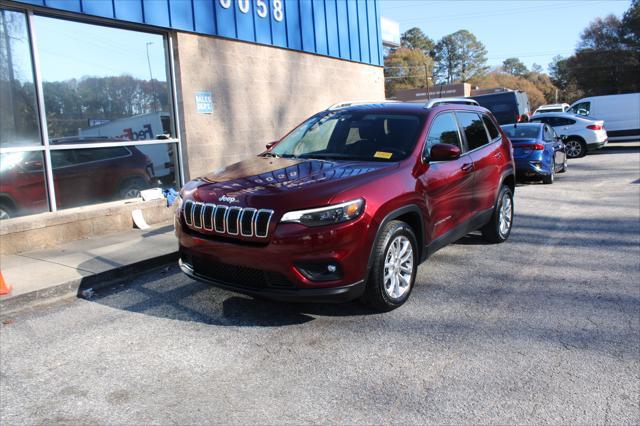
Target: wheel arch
8, 201
412, 216
577, 137
509, 179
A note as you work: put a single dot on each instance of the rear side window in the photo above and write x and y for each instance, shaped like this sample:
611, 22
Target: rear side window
491, 128
564, 122
548, 134
473, 129
444, 129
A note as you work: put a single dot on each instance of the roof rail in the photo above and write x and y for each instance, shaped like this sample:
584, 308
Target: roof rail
440, 101
345, 104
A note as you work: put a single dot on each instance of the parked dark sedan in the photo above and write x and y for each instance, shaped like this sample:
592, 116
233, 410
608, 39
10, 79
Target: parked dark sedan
538, 151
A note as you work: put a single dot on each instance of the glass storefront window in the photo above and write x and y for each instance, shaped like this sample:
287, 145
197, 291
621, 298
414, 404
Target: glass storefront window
18, 107
102, 88
22, 184
94, 175
101, 83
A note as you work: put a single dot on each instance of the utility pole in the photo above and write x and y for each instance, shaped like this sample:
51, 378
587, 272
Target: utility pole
153, 86
426, 78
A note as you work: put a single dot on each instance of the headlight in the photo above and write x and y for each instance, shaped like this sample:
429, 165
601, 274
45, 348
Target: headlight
326, 215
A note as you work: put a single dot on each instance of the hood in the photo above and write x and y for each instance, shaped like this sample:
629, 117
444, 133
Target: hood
268, 182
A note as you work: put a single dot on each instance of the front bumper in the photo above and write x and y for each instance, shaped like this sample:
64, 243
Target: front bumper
344, 293
279, 266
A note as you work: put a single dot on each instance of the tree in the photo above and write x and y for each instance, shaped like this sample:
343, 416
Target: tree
607, 59
460, 57
536, 68
407, 69
562, 78
414, 38
630, 27
602, 34
500, 79
514, 66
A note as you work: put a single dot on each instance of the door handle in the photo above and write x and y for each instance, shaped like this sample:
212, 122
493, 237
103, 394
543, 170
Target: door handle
466, 167
497, 155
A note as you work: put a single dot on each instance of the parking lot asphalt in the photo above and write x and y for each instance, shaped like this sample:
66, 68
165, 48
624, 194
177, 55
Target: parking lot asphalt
542, 329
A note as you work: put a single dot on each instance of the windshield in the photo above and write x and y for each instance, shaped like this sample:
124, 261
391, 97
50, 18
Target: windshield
522, 132
540, 111
352, 135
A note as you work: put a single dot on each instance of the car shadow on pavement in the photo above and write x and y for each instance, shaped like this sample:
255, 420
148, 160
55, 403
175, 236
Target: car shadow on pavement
167, 293
618, 148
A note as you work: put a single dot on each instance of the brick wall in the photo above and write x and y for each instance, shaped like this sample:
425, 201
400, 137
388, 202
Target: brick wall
259, 94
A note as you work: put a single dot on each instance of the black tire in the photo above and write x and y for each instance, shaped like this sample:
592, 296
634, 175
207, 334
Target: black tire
548, 179
6, 211
376, 294
575, 148
492, 231
131, 188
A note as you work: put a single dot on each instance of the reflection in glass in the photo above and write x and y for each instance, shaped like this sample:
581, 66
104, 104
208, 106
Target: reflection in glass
102, 82
22, 189
18, 117
93, 175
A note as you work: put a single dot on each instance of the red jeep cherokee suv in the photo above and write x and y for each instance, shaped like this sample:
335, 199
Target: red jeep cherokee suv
349, 203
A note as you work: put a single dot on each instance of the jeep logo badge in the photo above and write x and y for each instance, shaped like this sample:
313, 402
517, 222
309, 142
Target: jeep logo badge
224, 198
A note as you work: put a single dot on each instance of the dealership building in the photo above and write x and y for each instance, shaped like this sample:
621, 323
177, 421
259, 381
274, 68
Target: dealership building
102, 98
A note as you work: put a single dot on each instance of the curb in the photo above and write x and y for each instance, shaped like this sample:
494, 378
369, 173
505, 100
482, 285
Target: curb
75, 287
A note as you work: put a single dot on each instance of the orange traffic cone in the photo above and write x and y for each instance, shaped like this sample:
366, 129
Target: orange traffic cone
4, 287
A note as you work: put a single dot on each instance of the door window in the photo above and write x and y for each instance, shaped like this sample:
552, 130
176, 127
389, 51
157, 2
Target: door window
491, 128
548, 134
583, 108
473, 128
444, 129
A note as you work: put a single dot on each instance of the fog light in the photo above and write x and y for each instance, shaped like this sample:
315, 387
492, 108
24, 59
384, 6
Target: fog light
320, 271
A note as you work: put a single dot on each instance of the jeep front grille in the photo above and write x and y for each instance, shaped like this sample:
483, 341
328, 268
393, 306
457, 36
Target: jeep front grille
230, 220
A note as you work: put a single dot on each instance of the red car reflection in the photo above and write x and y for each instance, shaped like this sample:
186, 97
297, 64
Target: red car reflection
81, 177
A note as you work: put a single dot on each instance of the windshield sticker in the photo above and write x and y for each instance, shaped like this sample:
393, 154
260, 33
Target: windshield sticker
382, 154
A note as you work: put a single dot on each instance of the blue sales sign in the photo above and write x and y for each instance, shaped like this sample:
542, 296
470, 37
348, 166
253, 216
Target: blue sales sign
204, 102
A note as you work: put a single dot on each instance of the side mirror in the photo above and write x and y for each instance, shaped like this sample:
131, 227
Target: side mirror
444, 152
270, 144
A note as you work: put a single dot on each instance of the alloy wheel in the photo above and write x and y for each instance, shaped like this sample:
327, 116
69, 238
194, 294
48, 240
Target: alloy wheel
4, 214
506, 214
574, 148
132, 193
398, 267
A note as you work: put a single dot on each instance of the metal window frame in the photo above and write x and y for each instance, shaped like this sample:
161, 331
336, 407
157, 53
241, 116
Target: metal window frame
46, 147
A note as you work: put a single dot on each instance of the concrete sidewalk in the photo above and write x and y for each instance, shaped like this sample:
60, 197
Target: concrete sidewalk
46, 275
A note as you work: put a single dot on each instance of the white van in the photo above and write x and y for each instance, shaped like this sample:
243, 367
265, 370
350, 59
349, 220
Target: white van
621, 114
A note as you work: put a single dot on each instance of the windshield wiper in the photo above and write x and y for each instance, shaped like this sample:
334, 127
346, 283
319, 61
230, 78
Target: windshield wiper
329, 156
